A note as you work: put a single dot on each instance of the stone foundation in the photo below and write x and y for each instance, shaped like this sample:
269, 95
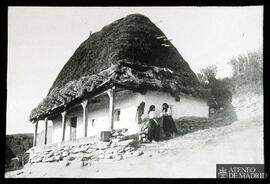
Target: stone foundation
119, 147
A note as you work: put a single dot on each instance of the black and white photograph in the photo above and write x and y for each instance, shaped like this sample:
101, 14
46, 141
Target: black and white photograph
135, 92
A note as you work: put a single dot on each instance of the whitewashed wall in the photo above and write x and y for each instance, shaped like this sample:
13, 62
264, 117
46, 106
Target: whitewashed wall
127, 102
57, 129
187, 106
76, 112
57, 125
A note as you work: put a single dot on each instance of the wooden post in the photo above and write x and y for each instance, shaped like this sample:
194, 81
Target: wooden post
35, 133
63, 124
111, 94
45, 131
85, 118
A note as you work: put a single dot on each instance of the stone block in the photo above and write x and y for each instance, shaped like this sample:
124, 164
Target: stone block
125, 143
118, 157
105, 136
137, 153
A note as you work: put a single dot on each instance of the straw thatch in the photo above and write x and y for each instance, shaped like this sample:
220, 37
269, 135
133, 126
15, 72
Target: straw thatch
128, 51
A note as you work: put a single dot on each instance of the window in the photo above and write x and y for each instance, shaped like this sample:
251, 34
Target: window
116, 115
93, 122
73, 122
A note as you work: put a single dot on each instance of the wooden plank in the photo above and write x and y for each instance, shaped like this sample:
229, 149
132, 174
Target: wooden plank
85, 119
46, 131
111, 94
63, 124
35, 134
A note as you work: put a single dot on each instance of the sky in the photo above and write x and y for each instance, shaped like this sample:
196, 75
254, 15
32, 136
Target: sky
42, 39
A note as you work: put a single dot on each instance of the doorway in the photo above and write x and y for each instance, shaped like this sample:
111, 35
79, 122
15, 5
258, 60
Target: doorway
73, 128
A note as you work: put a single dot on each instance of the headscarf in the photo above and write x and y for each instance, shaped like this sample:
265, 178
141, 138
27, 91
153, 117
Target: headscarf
151, 108
165, 106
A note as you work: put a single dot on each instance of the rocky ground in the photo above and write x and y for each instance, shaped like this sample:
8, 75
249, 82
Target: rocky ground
85, 153
191, 155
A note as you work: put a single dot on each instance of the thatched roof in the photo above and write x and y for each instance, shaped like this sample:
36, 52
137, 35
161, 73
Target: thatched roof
130, 51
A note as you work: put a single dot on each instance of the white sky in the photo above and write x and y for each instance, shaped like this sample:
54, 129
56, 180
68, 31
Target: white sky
42, 39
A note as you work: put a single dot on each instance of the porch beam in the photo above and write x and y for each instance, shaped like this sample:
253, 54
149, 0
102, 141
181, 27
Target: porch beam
85, 119
63, 124
35, 133
45, 131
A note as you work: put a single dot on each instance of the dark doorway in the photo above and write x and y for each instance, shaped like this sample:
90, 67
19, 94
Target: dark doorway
73, 128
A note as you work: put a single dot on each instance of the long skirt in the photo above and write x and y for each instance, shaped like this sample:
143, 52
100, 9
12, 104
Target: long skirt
169, 126
153, 131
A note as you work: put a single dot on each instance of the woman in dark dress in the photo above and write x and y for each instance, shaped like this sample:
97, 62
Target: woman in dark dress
169, 127
153, 126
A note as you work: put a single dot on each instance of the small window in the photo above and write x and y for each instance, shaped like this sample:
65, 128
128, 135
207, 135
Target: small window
73, 122
93, 122
116, 115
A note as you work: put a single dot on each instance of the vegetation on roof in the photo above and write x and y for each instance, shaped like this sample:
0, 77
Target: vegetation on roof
131, 50
132, 39
136, 76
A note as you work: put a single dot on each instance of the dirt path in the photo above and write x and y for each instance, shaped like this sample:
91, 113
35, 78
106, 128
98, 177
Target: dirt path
193, 155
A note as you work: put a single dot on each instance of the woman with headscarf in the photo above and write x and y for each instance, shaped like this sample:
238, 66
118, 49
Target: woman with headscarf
153, 129
169, 127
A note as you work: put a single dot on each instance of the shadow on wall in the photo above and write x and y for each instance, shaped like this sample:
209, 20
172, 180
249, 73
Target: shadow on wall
222, 117
190, 124
187, 124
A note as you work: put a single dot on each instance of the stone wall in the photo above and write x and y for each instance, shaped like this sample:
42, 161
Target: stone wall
119, 147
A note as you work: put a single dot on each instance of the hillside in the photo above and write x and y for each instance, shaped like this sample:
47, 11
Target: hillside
18, 144
191, 155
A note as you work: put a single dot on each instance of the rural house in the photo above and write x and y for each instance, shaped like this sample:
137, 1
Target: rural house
113, 71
